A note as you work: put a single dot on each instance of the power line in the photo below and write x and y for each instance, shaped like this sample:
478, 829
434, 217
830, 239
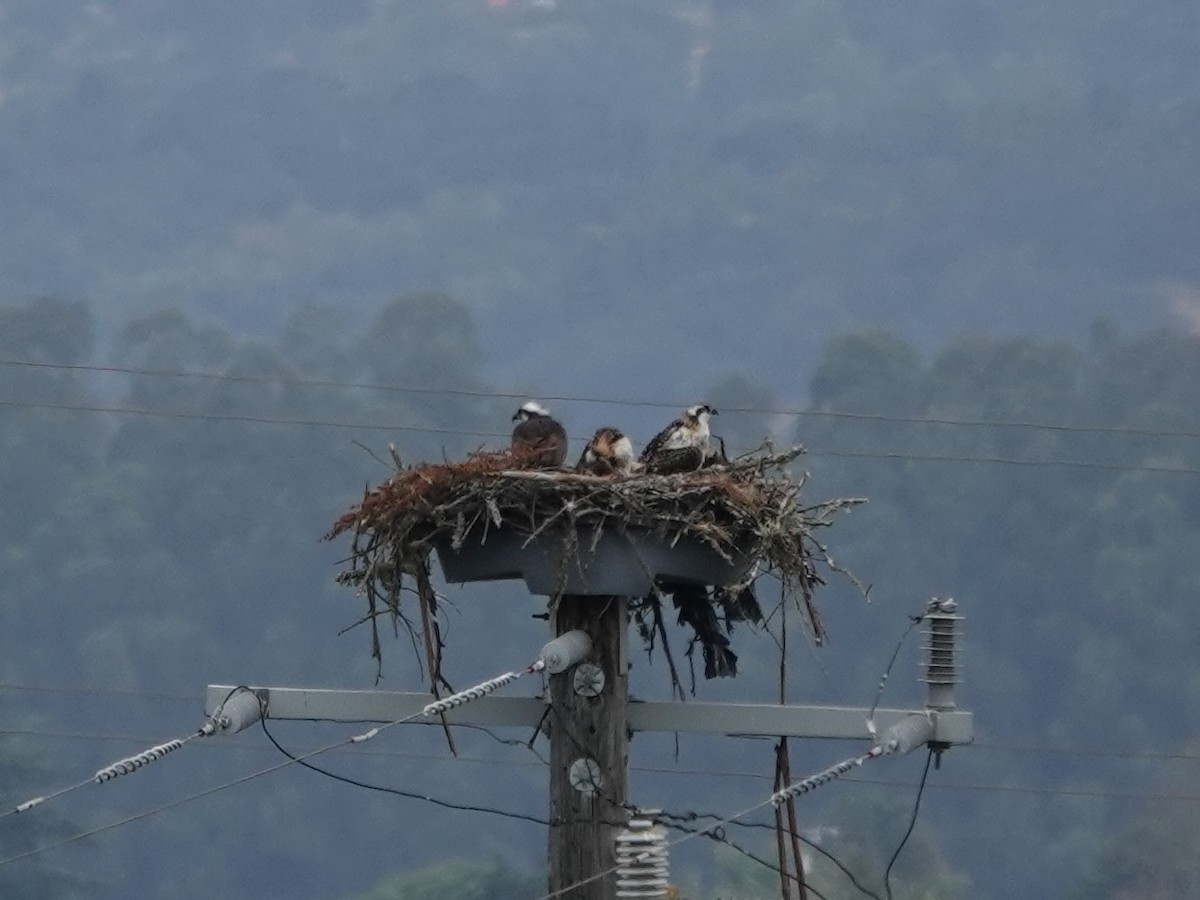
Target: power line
254, 420
357, 751
673, 820
706, 832
1005, 460
609, 401
1000, 747
424, 429
1067, 750
803, 786
1033, 789
694, 773
109, 692
436, 707
446, 804
36, 851
718, 835
121, 767
912, 822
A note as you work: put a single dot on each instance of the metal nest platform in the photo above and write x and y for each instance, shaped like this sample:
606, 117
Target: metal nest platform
565, 532
623, 563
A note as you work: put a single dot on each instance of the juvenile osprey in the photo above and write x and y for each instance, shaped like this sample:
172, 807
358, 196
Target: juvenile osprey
538, 440
609, 452
683, 444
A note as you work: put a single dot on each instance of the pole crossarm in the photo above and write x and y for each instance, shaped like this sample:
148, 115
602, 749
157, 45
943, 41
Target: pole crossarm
752, 719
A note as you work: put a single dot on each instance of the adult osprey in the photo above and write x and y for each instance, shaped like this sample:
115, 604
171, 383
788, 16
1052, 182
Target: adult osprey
538, 441
609, 452
682, 445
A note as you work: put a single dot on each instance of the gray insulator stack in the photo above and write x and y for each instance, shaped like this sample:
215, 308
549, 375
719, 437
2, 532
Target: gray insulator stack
643, 869
240, 710
907, 735
941, 638
565, 651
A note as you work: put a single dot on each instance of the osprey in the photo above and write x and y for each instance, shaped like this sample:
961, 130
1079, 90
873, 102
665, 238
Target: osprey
609, 452
538, 441
683, 444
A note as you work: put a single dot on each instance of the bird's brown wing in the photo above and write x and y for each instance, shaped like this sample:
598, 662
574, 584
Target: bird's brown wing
666, 462
659, 441
541, 441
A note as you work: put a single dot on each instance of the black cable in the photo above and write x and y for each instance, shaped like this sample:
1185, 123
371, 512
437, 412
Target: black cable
976, 746
718, 834
914, 621
614, 401
674, 820
813, 845
376, 426
887, 874
768, 826
390, 790
508, 742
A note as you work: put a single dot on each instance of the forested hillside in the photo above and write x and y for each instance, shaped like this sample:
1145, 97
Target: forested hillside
949, 247
939, 169
164, 494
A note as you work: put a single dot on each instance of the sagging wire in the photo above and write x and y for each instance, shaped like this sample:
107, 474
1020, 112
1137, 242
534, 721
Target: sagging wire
123, 766
437, 707
718, 835
214, 724
900, 738
447, 804
887, 875
914, 621
714, 833
801, 787
673, 820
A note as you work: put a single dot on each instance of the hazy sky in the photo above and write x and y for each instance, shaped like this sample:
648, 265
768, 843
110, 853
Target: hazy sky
633, 196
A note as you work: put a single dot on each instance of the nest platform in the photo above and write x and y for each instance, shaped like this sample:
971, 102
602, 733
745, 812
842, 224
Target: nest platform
564, 532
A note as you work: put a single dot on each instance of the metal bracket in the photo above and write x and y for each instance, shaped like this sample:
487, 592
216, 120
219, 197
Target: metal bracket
588, 680
585, 776
951, 726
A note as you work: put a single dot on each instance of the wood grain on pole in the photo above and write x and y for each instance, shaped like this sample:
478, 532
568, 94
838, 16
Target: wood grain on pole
582, 824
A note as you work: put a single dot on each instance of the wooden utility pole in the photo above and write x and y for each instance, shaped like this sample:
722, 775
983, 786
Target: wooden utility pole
589, 749
590, 719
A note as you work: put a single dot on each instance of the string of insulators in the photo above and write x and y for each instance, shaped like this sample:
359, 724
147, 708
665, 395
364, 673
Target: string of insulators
812, 782
135, 762
941, 669
643, 868
558, 655
108, 773
482, 689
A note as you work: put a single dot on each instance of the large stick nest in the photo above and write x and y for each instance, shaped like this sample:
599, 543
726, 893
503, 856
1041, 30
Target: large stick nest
748, 508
